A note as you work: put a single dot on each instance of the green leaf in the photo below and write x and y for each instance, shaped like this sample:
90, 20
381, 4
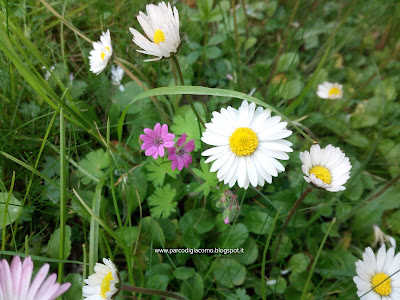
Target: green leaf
290, 89
249, 254
233, 237
210, 178
298, 263
212, 52
152, 232
75, 291
191, 238
123, 98
249, 43
184, 273
257, 222
128, 234
92, 166
199, 219
279, 287
157, 171
193, 288
14, 208
186, 122
162, 202
229, 272
288, 61
240, 294
284, 248
53, 247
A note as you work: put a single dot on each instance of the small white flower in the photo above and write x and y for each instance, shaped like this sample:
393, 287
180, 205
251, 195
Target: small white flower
15, 281
247, 145
381, 237
328, 90
102, 283
48, 73
101, 53
326, 168
117, 73
378, 277
161, 26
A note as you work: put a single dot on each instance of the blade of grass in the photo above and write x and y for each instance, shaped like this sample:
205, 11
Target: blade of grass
3, 244
63, 189
303, 296
200, 90
271, 230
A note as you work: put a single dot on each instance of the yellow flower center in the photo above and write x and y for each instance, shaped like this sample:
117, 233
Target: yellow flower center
105, 285
383, 289
103, 54
334, 91
322, 173
243, 141
158, 36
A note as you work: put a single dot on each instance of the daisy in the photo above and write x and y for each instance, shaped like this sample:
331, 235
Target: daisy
247, 143
101, 53
328, 90
103, 283
326, 168
378, 277
155, 140
179, 155
161, 25
15, 281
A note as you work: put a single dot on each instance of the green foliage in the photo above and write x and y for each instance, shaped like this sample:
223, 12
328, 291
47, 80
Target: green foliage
210, 179
93, 165
53, 247
13, 209
162, 202
156, 172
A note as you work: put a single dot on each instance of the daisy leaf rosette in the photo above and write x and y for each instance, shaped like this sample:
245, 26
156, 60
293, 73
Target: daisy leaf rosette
326, 168
15, 281
161, 26
328, 90
378, 276
103, 283
101, 53
247, 143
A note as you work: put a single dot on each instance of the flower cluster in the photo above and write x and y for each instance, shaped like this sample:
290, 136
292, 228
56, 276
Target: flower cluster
156, 140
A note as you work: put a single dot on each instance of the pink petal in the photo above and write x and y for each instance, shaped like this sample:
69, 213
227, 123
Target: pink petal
150, 133
174, 165
47, 288
226, 221
157, 130
37, 282
27, 269
172, 156
182, 140
16, 269
146, 145
187, 158
189, 147
146, 138
168, 144
171, 150
151, 151
164, 130
180, 163
5, 278
161, 150
61, 290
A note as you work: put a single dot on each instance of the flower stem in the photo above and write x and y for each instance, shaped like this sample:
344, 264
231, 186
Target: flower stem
288, 218
140, 290
189, 99
237, 46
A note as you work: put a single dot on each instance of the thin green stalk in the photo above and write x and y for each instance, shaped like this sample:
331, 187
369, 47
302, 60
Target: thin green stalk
303, 296
140, 290
189, 99
112, 178
237, 46
3, 244
271, 230
246, 18
63, 188
94, 225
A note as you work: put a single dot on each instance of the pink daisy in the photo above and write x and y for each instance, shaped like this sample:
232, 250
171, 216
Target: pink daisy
155, 140
15, 281
180, 156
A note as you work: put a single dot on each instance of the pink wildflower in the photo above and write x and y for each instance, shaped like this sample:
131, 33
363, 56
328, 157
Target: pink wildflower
180, 156
15, 281
226, 221
155, 140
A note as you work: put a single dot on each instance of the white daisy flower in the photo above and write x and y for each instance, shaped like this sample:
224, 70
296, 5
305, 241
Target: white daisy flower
117, 73
15, 281
327, 168
161, 26
328, 90
101, 53
102, 283
248, 142
378, 277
